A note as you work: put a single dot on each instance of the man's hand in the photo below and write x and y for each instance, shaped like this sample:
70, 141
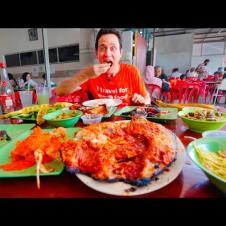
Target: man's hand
70, 85
101, 68
138, 99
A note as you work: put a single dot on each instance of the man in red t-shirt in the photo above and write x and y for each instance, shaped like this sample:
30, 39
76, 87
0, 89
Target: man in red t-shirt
109, 79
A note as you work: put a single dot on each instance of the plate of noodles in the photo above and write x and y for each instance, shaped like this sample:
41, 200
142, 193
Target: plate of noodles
209, 154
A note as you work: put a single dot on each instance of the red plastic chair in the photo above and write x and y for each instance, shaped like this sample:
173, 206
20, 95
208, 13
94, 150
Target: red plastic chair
193, 93
192, 79
75, 97
154, 89
210, 90
211, 78
179, 91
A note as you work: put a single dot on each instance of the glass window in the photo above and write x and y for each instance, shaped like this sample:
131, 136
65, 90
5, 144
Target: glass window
213, 48
28, 58
52, 56
12, 60
69, 53
197, 50
40, 57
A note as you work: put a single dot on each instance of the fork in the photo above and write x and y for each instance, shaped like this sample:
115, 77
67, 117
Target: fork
5, 135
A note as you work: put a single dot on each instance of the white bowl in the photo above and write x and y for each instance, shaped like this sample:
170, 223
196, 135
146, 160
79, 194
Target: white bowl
91, 118
214, 133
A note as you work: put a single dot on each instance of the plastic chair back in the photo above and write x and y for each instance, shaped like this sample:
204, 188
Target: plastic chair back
154, 90
75, 97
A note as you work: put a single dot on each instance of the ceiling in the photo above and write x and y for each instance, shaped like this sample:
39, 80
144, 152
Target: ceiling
200, 34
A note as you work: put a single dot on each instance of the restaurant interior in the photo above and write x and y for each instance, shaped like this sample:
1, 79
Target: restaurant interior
77, 146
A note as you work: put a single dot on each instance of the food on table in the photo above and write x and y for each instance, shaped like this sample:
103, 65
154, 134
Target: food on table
101, 109
204, 115
146, 111
213, 161
36, 112
75, 106
133, 151
39, 147
65, 115
181, 106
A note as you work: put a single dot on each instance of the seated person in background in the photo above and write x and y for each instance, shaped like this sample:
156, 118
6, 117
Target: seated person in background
45, 81
220, 73
183, 77
175, 73
192, 73
163, 77
27, 81
109, 79
150, 78
12, 81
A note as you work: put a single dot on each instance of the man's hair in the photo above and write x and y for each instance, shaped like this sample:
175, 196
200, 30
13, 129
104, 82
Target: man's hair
206, 61
175, 70
105, 31
24, 76
158, 67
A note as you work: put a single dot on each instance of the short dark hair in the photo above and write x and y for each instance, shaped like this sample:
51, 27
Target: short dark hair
206, 60
105, 31
175, 69
24, 76
11, 77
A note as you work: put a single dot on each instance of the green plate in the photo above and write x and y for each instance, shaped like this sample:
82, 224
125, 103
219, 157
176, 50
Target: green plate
172, 115
5, 158
210, 144
24, 118
200, 126
14, 130
111, 110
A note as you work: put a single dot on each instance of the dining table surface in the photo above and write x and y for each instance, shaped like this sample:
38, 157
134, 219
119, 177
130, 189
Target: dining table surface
190, 183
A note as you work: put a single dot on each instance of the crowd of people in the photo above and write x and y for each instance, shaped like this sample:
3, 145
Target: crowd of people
26, 82
155, 75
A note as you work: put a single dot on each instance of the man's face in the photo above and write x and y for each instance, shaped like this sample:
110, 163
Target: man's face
158, 72
109, 50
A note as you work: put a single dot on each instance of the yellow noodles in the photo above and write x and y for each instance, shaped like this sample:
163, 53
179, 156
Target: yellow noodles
213, 161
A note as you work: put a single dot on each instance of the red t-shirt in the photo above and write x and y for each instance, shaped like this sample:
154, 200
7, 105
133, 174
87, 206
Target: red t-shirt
121, 86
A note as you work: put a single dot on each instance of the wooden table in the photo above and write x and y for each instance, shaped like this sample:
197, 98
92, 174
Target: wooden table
191, 182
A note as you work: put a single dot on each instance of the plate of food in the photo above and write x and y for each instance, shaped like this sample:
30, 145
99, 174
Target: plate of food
18, 158
104, 110
210, 156
199, 120
10, 131
152, 113
124, 158
97, 102
35, 113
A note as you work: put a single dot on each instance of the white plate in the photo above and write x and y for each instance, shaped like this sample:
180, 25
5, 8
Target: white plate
97, 102
119, 188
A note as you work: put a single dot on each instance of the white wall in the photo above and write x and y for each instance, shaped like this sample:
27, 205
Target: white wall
174, 51
17, 40
215, 62
127, 45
